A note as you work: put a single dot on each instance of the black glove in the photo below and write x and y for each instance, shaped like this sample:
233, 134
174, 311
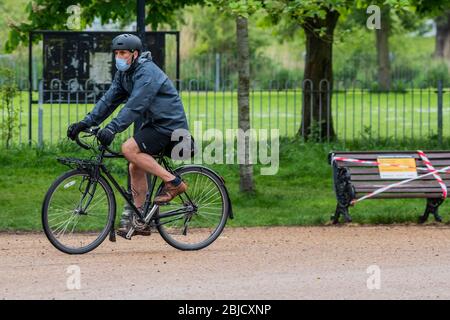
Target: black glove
105, 136
75, 128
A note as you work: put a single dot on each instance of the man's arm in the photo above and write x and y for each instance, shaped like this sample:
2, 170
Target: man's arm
144, 91
107, 103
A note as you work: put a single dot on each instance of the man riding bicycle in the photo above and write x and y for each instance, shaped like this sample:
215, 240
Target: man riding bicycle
152, 98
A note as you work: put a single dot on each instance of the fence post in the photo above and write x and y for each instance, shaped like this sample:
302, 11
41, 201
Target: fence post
217, 72
40, 113
440, 102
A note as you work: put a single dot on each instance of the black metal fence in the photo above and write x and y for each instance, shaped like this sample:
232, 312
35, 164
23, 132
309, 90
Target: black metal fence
354, 113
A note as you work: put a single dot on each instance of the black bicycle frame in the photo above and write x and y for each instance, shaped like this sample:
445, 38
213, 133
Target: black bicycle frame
129, 198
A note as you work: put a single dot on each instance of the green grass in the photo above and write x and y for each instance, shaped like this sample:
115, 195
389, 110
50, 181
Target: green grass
300, 194
408, 115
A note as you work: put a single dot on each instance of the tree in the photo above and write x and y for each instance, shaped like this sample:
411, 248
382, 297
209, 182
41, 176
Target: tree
389, 17
318, 20
442, 49
382, 43
241, 10
440, 11
54, 15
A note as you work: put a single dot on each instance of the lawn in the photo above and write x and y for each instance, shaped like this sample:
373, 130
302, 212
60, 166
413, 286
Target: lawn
301, 193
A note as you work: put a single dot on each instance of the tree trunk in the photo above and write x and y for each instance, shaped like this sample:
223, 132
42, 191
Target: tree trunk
246, 169
317, 123
382, 40
442, 48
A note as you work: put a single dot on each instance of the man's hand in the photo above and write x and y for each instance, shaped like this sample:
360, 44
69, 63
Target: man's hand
75, 128
105, 136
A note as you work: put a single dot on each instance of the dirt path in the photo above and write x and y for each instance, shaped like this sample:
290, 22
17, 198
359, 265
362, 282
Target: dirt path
244, 263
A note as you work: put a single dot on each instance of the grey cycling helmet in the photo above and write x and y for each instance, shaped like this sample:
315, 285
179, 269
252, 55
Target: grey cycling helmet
127, 42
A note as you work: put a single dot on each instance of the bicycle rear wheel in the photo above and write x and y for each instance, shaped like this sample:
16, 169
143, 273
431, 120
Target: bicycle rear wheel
195, 219
78, 212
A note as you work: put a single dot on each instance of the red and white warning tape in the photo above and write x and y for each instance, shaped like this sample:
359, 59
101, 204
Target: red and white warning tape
429, 167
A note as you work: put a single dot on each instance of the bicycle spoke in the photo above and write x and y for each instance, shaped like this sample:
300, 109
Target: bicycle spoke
204, 189
91, 206
57, 207
75, 224
205, 194
212, 195
59, 224
56, 214
209, 207
65, 227
205, 218
209, 213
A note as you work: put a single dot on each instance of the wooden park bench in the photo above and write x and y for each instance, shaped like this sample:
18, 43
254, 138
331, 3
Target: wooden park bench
359, 180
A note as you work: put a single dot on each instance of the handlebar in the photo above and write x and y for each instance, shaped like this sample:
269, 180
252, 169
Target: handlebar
93, 132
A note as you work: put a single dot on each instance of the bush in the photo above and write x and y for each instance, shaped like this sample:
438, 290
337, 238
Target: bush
438, 71
8, 91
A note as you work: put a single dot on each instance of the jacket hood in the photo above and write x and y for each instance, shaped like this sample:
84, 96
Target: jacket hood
146, 55
143, 57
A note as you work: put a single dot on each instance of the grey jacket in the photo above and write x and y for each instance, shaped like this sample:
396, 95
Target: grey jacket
152, 99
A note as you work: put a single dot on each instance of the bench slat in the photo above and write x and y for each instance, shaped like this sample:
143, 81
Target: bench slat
396, 190
380, 184
443, 163
374, 155
376, 177
402, 195
374, 170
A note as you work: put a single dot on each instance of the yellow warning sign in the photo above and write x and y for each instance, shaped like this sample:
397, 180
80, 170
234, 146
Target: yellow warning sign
397, 167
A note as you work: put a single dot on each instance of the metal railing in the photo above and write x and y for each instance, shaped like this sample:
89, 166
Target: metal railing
349, 111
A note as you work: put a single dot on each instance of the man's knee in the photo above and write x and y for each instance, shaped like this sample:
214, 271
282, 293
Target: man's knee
130, 149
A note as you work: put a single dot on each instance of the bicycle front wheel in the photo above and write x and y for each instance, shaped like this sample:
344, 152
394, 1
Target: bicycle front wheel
78, 212
195, 219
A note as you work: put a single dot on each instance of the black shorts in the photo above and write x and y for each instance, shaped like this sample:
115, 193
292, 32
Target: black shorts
151, 141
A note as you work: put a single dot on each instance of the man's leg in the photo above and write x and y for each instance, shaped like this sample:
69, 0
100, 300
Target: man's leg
173, 186
139, 186
144, 162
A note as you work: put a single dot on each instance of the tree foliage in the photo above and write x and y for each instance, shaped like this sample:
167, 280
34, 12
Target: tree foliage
54, 15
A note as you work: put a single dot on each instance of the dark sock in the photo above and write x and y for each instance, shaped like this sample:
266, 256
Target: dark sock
176, 182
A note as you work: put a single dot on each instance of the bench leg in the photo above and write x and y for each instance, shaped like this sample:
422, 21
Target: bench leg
341, 210
432, 207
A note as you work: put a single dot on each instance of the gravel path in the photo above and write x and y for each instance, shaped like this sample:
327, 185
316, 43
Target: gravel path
244, 263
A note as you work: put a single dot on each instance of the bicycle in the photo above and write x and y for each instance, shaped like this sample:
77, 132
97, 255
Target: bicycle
79, 209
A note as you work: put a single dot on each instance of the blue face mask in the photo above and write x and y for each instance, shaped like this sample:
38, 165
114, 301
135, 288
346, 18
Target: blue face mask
122, 65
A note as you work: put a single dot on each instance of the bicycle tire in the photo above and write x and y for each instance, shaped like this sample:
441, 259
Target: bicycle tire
225, 210
106, 229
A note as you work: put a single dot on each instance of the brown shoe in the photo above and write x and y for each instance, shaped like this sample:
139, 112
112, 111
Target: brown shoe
169, 192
